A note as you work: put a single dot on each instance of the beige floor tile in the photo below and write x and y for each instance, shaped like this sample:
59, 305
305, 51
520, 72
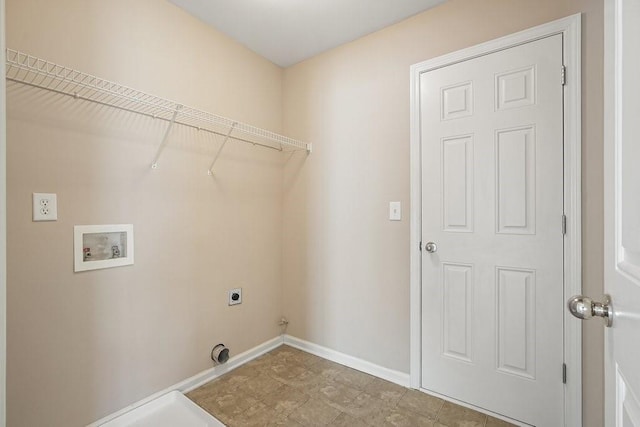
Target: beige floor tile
452, 415
325, 368
346, 420
378, 417
394, 417
262, 362
385, 390
285, 399
307, 359
302, 379
257, 415
421, 403
259, 386
283, 370
409, 419
228, 406
314, 413
363, 405
230, 381
335, 392
283, 421
352, 377
244, 371
494, 422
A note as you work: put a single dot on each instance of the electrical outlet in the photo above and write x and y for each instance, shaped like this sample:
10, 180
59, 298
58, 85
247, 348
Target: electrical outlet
45, 207
235, 296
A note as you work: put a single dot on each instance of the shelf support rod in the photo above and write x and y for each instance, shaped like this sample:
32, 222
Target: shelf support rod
215, 159
165, 138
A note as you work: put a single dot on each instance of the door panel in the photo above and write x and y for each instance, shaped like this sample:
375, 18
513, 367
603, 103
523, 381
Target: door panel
515, 180
457, 183
622, 214
516, 321
492, 294
457, 317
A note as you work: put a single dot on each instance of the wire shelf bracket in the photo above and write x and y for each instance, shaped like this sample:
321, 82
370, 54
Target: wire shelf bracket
215, 159
36, 72
165, 138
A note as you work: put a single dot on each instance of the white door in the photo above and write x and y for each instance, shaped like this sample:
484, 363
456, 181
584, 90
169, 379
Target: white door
622, 208
492, 290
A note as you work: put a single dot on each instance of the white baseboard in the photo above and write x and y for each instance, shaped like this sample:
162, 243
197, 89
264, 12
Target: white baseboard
391, 375
200, 378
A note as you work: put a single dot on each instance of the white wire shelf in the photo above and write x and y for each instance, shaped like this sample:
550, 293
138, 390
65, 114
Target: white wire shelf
33, 71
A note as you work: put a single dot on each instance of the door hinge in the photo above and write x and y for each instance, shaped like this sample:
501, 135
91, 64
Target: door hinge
563, 75
564, 373
564, 224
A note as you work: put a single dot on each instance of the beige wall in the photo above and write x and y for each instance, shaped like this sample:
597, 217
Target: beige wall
81, 346
346, 274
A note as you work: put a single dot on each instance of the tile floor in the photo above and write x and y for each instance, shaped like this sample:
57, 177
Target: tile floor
289, 387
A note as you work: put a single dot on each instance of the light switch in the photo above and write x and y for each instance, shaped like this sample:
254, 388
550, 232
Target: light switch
395, 211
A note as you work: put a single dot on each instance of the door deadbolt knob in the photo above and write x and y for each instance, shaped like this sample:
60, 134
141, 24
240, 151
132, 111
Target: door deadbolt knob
585, 308
431, 247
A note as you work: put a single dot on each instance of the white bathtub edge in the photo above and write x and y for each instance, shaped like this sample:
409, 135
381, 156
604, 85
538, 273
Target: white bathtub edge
171, 399
199, 379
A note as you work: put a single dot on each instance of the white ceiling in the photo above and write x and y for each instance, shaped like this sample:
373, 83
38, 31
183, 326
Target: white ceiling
289, 31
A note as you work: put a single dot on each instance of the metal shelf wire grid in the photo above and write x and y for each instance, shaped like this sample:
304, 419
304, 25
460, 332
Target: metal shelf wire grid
37, 72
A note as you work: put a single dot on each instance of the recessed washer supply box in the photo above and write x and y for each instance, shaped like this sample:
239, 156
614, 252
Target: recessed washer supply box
102, 246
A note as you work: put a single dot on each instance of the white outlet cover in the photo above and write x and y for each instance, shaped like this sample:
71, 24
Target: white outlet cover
45, 207
231, 293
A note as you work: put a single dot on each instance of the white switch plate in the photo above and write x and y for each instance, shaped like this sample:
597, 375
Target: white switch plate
395, 211
45, 207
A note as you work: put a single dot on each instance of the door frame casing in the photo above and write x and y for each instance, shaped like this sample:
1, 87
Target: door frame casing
611, 78
570, 28
3, 222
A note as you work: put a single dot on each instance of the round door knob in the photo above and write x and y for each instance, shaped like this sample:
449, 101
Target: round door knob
431, 247
585, 308
581, 307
